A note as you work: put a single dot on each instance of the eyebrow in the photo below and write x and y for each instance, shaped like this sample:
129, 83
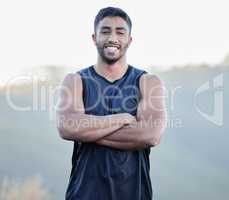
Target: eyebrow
117, 28
105, 27
121, 28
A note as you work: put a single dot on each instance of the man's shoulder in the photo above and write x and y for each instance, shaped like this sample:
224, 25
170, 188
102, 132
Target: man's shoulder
76, 76
84, 70
150, 80
138, 69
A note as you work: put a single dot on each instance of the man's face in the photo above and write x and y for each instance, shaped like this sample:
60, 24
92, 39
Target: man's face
112, 38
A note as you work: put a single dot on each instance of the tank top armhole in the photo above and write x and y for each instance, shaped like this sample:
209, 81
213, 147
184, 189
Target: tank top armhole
138, 80
83, 85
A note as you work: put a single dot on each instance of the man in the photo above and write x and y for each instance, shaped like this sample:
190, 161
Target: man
114, 113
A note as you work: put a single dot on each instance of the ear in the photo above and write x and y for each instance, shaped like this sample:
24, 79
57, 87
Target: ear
94, 38
129, 40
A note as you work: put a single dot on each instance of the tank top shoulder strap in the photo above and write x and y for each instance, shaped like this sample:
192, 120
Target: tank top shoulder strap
136, 73
85, 72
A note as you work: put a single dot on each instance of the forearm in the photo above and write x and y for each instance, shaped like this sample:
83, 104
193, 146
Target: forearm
131, 146
89, 128
139, 134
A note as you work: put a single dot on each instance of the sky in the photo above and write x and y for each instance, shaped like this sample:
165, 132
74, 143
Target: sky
58, 32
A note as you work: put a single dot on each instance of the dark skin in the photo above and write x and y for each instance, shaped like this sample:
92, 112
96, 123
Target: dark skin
121, 131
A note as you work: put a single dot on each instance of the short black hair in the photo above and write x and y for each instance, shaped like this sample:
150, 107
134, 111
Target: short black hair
112, 12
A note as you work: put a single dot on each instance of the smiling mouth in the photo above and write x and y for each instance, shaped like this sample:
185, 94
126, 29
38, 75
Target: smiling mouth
112, 47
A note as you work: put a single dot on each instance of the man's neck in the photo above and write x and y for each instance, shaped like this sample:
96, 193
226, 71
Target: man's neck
111, 72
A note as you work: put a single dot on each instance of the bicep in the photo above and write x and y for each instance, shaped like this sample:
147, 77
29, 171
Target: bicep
152, 101
70, 95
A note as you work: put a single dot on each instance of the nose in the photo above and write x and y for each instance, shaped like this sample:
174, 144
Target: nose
113, 38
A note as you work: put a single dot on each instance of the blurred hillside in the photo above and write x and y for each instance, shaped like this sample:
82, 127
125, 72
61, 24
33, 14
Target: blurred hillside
190, 163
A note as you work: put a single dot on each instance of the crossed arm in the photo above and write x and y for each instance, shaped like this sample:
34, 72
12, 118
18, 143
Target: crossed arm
121, 131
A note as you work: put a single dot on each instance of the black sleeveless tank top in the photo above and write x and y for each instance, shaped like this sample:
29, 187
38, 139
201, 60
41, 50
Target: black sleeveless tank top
103, 173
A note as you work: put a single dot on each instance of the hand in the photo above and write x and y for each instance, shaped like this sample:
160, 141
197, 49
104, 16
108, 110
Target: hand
130, 119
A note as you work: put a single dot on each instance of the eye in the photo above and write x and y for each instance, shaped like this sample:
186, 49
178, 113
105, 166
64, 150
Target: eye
105, 32
121, 33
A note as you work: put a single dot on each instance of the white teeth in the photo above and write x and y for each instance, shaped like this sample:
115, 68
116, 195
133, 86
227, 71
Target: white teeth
112, 48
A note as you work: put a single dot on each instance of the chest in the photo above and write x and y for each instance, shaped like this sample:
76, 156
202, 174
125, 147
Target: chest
101, 99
